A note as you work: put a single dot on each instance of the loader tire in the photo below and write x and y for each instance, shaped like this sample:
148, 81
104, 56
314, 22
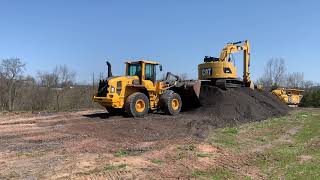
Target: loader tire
171, 103
137, 105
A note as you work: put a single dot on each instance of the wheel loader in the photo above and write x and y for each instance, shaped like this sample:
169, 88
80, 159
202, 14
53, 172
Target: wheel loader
221, 72
138, 92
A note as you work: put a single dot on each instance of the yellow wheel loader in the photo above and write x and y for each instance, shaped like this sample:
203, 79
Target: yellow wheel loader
221, 72
138, 91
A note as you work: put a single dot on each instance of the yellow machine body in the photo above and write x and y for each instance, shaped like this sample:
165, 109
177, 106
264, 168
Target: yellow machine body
138, 91
291, 97
119, 88
223, 70
217, 70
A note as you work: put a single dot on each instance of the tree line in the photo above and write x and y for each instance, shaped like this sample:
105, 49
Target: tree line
48, 91
276, 75
57, 90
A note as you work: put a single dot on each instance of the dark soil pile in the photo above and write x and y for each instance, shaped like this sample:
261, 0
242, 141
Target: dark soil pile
222, 108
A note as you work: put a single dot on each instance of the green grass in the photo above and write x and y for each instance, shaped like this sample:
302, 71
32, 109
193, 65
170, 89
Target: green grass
121, 153
128, 152
110, 167
280, 159
230, 131
214, 174
203, 155
187, 147
184, 151
283, 159
156, 161
226, 137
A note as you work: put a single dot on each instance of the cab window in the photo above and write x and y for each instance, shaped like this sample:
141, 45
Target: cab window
134, 70
150, 72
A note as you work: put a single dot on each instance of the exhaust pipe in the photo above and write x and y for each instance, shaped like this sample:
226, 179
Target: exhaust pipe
109, 69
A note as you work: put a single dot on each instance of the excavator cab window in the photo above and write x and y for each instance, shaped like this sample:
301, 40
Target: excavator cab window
210, 59
150, 71
134, 70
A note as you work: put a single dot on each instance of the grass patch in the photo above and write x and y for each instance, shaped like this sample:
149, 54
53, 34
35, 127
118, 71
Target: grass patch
10, 175
110, 167
303, 171
203, 155
188, 147
184, 151
129, 152
224, 140
261, 139
198, 173
230, 131
215, 174
93, 171
121, 153
281, 159
156, 161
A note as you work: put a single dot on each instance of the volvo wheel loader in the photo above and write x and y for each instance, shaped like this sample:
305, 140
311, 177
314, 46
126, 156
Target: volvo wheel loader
138, 92
221, 72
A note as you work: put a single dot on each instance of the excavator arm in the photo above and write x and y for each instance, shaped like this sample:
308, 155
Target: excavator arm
231, 48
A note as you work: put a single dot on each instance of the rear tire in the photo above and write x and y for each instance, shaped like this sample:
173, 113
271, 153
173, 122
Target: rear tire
171, 103
137, 105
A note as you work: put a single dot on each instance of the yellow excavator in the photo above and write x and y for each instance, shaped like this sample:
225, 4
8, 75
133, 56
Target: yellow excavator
221, 72
138, 92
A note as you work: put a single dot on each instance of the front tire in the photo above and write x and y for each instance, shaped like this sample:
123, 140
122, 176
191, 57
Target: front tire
137, 105
171, 103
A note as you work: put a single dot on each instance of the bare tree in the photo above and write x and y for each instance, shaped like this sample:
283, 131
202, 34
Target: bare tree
11, 71
61, 76
308, 84
295, 80
274, 73
49, 80
66, 76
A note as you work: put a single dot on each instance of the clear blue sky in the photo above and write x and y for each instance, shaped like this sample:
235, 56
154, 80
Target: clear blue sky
179, 33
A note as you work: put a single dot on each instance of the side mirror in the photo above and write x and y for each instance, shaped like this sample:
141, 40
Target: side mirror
160, 67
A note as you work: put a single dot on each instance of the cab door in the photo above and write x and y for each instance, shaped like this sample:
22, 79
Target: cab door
150, 76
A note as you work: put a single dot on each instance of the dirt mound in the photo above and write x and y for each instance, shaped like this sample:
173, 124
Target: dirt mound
224, 108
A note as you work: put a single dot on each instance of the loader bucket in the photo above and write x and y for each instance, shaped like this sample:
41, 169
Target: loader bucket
189, 92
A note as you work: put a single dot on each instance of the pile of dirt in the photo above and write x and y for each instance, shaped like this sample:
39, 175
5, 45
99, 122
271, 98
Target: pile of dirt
222, 108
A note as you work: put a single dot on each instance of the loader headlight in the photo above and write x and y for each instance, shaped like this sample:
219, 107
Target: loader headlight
112, 89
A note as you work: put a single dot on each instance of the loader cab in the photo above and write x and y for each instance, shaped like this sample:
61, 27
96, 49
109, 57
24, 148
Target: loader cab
145, 70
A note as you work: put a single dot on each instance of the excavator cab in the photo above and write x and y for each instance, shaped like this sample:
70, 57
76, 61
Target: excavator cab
221, 72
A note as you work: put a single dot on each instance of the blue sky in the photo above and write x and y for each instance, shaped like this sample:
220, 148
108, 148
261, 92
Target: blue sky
179, 33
